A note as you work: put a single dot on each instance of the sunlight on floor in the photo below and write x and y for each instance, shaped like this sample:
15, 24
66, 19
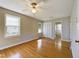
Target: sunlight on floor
39, 43
58, 44
17, 55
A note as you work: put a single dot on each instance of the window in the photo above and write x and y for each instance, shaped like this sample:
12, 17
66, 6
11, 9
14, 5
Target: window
12, 25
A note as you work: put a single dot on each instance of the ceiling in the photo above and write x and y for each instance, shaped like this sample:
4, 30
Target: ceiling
50, 9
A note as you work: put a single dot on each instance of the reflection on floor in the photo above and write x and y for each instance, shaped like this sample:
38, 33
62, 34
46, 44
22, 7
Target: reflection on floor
38, 48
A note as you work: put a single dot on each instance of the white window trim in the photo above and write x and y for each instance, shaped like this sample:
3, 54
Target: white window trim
6, 29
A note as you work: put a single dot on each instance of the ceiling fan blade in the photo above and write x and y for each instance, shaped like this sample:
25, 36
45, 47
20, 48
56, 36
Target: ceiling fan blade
45, 0
26, 9
24, 2
28, 1
33, 0
42, 8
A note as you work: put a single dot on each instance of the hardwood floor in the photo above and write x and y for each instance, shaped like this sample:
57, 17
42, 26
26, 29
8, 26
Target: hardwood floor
38, 48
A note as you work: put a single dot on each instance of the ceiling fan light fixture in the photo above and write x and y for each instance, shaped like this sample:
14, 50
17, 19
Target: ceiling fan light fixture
34, 10
34, 7
34, 4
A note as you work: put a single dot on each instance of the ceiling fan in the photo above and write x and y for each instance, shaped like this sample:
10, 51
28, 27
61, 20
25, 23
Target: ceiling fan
35, 5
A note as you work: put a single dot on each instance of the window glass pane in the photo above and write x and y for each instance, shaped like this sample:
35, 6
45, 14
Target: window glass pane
12, 20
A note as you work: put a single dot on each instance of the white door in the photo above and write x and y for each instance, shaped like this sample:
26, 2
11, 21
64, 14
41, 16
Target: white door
75, 30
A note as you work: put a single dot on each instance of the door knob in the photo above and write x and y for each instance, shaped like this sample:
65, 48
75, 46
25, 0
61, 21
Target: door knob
77, 41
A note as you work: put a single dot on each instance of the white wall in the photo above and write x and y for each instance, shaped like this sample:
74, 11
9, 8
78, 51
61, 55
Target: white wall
49, 28
74, 29
78, 20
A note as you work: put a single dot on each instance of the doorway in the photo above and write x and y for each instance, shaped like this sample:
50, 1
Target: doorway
40, 30
58, 30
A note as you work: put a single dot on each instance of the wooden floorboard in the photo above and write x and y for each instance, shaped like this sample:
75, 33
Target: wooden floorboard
41, 48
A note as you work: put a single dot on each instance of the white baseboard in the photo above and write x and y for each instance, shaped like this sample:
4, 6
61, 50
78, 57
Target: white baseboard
66, 40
